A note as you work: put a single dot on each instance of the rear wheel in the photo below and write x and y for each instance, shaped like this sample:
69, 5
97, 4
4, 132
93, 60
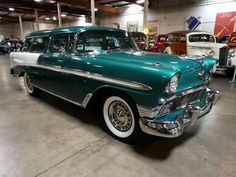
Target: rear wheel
121, 117
29, 86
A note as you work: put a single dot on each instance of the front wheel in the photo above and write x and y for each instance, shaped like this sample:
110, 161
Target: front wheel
29, 86
120, 117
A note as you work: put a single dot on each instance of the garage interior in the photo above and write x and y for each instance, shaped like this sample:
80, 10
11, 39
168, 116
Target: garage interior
46, 136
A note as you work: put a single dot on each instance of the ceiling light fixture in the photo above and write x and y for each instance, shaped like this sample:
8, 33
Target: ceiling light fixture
63, 15
47, 18
11, 9
95, 9
37, 0
54, 18
140, 1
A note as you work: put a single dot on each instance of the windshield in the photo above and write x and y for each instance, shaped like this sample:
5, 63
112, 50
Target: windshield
99, 41
201, 38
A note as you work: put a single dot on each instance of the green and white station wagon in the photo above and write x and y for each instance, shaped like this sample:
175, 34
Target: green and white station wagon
137, 91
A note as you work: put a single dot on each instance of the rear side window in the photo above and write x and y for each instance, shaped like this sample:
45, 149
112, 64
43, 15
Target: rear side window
39, 44
27, 44
58, 44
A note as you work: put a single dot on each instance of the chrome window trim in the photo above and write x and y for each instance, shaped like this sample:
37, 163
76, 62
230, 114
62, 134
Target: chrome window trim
98, 77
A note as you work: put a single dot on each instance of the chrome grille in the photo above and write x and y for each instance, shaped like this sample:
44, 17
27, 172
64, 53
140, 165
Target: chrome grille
224, 51
186, 99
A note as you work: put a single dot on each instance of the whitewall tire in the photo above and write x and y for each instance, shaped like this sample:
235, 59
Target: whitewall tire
120, 118
29, 86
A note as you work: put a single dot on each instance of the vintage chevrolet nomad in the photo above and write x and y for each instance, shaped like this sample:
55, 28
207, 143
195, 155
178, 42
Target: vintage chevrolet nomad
137, 91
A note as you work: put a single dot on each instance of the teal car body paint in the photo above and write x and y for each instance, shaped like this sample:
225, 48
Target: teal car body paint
159, 94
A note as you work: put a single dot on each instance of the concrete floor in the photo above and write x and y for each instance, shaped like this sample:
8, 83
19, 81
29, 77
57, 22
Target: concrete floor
49, 137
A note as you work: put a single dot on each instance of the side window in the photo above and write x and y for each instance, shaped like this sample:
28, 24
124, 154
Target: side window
39, 44
27, 44
71, 44
58, 44
89, 42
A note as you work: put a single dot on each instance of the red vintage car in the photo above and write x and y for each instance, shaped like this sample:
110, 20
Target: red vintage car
159, 45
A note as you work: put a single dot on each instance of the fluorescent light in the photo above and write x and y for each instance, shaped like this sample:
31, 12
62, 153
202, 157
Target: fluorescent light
54, 18
63, 15
47, 18
140, 1
11, 9
95, 9
37, 0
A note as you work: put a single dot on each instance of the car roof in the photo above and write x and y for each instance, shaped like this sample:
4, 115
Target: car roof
49, 32
187, 32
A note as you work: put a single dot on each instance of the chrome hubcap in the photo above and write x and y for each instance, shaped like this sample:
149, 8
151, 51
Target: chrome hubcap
28, 83
120, 116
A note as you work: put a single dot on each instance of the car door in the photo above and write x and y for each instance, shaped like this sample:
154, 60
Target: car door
182, 48
60, 68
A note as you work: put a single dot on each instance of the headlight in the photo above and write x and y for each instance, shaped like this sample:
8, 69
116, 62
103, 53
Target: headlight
173, 84
232, 53
213, 69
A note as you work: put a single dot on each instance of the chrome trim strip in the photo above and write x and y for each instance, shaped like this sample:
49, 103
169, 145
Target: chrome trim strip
76, 103
98, 77
86, 100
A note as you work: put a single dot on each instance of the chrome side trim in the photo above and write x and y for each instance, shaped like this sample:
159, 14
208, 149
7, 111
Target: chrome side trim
76, 103
86, 100
98, 77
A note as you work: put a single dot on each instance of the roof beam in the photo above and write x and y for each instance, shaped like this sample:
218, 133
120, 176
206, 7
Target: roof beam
86, 4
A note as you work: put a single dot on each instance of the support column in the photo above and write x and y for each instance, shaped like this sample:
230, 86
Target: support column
59, 14
145, 14
21, 28
37, 19
93, 12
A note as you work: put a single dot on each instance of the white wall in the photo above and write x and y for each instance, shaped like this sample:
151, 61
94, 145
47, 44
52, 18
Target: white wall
171, 19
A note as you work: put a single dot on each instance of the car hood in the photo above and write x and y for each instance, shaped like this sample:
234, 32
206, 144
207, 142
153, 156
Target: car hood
188, 67
207, 44
152, 59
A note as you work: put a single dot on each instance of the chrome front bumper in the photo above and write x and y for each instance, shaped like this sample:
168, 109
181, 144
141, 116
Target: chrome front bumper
188, 116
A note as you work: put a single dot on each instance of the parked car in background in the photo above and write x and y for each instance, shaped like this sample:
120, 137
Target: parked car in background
8, 46
159, 44
5, 47
137, 91
198, 43
141, 40
224, 39
232, 51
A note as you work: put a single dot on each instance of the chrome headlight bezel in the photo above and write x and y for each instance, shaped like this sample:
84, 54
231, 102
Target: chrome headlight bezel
214, 68
211, 53
173, 84
232, 53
